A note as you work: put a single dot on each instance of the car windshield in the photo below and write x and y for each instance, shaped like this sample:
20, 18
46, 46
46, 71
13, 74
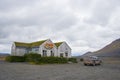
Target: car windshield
94, 57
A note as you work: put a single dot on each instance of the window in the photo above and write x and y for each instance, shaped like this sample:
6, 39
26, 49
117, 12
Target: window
66, 54
36, 49
44, 53
61, 54
52, 54
66, 49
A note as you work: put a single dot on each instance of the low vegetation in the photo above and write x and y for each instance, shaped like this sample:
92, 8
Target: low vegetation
15, 59
73, 60
32, 57
35, 58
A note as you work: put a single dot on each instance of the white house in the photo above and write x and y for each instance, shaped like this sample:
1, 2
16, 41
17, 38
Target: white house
44, 47
63, 49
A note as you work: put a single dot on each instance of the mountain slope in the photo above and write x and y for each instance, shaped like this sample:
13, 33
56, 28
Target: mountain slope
111, 50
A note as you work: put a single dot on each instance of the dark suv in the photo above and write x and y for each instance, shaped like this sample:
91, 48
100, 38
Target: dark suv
91, 60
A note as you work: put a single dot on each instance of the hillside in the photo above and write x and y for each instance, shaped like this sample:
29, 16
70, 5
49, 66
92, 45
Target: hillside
111, 50
4, 54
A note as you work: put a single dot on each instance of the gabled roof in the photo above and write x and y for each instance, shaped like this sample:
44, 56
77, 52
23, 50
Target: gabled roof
22, 44
38, 43
33, 44
58, 44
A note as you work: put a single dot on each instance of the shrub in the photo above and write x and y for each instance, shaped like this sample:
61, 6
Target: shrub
35, 58
74, 60
15, 59
81, 59
32, 57
50, 60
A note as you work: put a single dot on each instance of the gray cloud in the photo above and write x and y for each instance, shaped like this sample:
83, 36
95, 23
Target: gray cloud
86, 25
102, 11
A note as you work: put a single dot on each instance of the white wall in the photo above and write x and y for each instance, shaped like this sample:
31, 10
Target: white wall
13, 49
20, 51
63, 48
42, 47
17, 51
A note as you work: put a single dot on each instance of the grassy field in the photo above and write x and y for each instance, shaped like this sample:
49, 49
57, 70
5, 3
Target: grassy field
77, 71
2, 58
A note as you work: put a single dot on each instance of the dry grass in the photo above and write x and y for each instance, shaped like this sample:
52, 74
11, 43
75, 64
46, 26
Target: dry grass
2, 58
111, 60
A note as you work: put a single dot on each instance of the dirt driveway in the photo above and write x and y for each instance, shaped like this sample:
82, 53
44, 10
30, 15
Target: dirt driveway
24, 71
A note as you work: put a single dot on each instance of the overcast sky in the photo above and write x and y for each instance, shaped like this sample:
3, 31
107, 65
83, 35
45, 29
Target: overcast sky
86, 25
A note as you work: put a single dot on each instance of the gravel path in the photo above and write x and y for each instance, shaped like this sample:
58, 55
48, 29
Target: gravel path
24, 71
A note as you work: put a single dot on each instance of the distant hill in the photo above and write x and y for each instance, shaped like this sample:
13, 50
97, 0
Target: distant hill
87, 54
4, 54
111, 50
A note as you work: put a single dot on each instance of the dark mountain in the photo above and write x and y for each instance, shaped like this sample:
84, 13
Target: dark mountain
87, 54
111, 50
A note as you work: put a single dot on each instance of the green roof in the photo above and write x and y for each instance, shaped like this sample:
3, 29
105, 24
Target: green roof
33, 44
38, 43
58, 44
22, 44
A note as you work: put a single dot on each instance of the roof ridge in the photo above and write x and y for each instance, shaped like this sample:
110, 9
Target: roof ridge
21, 42
58, 43
38, 41
32, 44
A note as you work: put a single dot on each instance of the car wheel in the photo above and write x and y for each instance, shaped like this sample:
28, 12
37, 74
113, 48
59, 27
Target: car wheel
99, 64
94, 64
85, 64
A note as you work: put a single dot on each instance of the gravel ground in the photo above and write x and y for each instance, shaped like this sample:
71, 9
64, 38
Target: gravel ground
77, 71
